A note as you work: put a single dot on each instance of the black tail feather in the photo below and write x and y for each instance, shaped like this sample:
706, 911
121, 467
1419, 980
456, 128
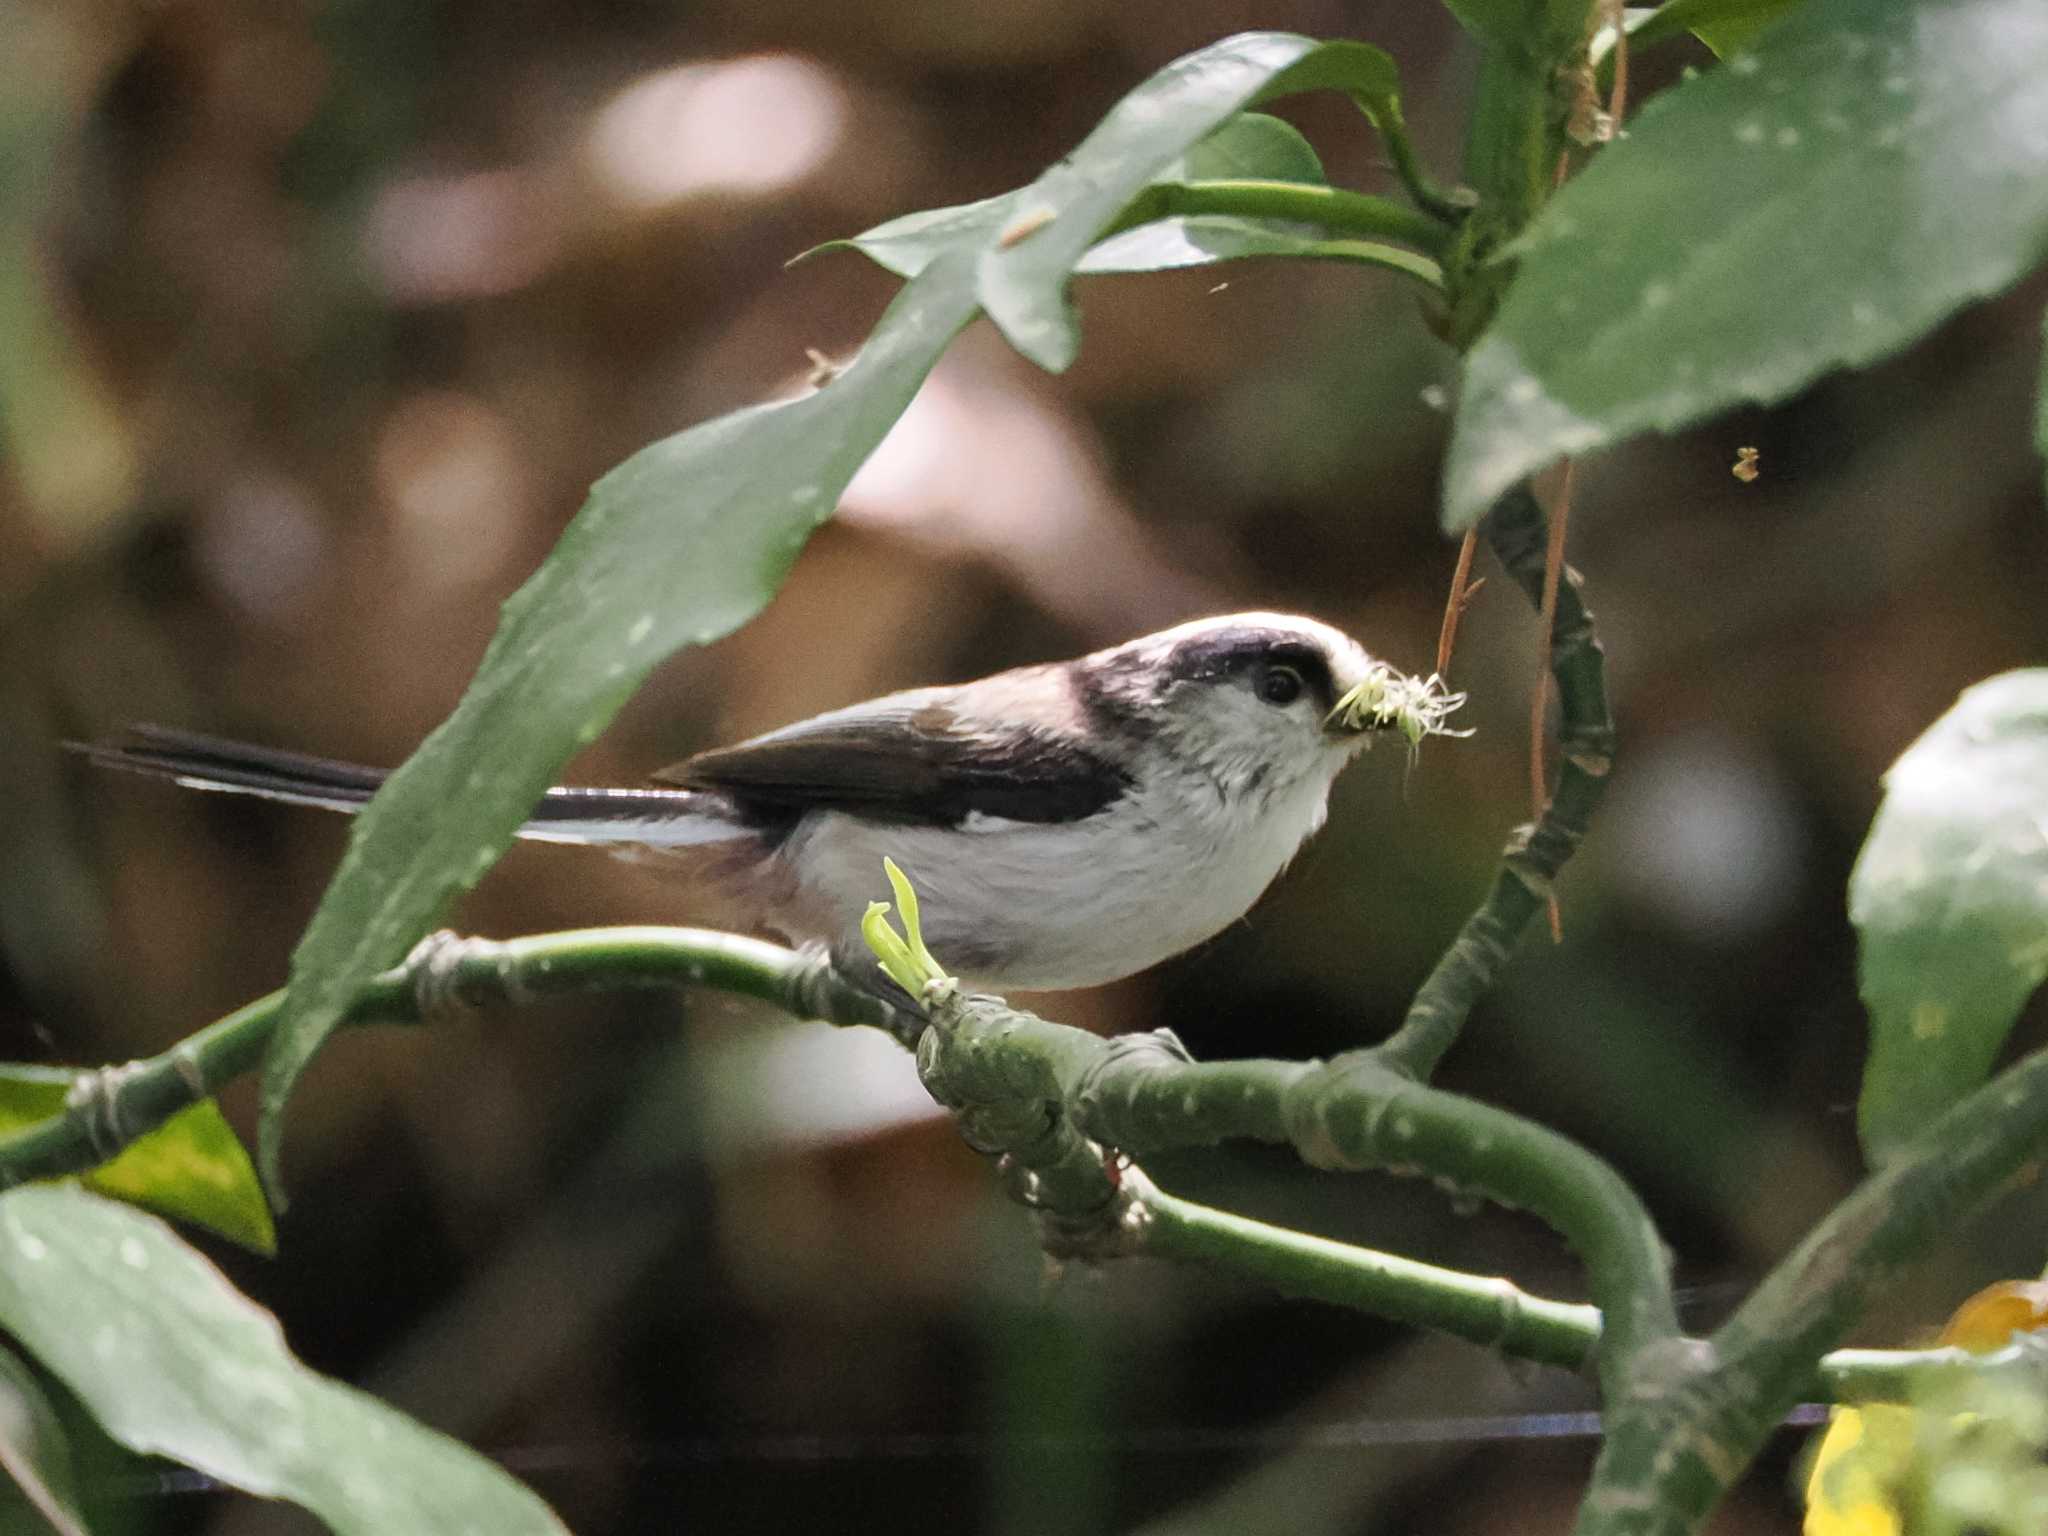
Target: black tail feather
211, 762
575, 814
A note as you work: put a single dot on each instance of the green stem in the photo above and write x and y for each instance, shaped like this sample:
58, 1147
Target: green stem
115, 1105
1517, 529
1486, 1310
1387, 119
1295, 202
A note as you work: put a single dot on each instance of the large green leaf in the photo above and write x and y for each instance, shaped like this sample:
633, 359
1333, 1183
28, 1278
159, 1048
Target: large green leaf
682, 543
172, 1360
1021, 280
1252, 146
192, 1167
1202, 240
1950, 903
688, 538
1817, 203
34, 1458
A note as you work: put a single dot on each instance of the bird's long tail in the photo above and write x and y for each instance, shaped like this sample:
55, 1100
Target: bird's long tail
658, 818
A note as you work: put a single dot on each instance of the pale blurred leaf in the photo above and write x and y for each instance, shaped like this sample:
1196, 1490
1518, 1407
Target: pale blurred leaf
173, 1361
1950, 902
34, 1458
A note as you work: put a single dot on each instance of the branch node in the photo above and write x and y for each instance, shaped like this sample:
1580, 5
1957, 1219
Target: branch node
94, 1099
435, 969
1114, 1230
190, 1069
1510, 1295
1130, 1057
1348, 1081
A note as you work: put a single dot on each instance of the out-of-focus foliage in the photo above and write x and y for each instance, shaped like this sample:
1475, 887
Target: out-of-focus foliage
38, 1485
191, 1167
174, 1361
1950, 903
1967, 1457
1723, 25
1874, 165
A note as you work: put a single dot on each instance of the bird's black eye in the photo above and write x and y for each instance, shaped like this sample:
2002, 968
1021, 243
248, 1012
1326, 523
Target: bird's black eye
1280, 685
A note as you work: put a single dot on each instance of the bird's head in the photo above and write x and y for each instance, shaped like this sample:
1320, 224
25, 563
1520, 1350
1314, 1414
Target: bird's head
1249, 697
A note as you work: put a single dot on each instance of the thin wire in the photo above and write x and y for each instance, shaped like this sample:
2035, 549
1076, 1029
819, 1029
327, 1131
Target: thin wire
824, 1450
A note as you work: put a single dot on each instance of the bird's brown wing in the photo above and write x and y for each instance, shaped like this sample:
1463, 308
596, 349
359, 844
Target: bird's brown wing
914, 758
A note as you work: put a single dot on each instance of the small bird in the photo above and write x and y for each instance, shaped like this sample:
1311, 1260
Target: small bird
1066, 824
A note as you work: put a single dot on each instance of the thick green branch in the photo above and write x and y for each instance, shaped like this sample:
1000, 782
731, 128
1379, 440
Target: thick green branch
112, 1106
1140, 1093
1089, 1208
1517, 528
1670, 1458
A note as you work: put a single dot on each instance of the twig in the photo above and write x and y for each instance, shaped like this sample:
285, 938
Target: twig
1553, 569
1617, 95
1457, 602
1517, 530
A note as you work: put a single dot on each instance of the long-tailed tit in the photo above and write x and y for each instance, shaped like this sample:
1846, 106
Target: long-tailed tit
1066, 824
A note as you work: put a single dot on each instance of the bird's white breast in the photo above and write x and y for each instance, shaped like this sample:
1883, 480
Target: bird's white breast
1033, 905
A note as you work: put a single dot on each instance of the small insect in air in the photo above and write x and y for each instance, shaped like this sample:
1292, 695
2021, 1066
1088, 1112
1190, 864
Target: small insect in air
1746, 467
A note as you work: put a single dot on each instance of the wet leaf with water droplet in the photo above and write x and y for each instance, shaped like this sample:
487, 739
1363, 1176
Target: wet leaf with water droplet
1816, 204
1950, 902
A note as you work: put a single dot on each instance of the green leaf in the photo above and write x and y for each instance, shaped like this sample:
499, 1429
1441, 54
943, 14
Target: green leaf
34, 1457
173, 1361
191, 1168
1204, 239
1251, 146
1022, 277
1818, 203
1723, 25
1950, 902
682, 543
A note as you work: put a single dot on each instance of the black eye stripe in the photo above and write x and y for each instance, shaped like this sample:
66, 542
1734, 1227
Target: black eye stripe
1243, 652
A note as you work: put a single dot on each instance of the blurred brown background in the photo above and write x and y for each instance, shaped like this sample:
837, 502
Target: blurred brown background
316, 323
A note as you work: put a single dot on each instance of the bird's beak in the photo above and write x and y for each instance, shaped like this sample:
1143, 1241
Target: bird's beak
1345, 724
1359, 711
